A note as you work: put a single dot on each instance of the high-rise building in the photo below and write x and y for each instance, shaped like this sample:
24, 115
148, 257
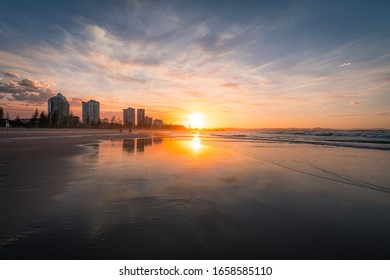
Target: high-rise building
148, 121
58, 109
91, 112
129, 117
140, 117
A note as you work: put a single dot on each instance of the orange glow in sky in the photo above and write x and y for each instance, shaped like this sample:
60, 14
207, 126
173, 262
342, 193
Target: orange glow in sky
249, 71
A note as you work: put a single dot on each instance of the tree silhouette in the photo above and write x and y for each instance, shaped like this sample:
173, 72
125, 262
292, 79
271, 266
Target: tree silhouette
2, 116
43, 120
34, 118
18, 122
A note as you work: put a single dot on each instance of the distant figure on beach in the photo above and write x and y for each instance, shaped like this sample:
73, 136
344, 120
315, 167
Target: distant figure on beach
130, 130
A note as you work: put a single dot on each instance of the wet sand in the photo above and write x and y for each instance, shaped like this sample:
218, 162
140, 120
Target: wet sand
34, 163
30, 149
184, 196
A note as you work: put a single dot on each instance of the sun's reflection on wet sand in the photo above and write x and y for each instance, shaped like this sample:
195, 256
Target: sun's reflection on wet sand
196, 145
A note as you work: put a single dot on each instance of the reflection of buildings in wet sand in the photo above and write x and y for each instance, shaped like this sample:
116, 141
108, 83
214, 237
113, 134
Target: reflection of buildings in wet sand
130, 145
142, 143
157, 140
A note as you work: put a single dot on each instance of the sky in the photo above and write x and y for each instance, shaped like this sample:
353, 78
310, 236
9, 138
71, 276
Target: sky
248, 64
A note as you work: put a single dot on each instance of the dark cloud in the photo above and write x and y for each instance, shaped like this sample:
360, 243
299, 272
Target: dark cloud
11, 75
26, 91
34, 98
29, 83
9, 88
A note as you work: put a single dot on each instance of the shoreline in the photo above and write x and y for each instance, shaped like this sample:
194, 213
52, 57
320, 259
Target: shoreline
51, 132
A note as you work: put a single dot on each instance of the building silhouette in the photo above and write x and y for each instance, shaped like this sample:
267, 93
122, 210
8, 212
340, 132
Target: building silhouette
157, 140
140, 117
129, 117
158, 123
91, 112
148, 121
58, 109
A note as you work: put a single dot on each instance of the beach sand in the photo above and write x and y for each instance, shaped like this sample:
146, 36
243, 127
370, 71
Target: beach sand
34, 163
99, 194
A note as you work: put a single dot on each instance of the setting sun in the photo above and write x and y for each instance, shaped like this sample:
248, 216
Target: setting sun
196, 120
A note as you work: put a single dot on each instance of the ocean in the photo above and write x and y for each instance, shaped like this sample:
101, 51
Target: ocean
363, 139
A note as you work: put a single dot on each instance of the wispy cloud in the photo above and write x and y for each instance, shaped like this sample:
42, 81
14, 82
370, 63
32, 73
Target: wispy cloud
11, 75
348, 115
354, 103
345, 64
230, 85
74, 101
155, 54
29, 83
26, 90
382, 113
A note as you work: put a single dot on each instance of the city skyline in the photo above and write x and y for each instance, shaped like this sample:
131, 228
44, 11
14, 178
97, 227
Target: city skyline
59, 106
249, 64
